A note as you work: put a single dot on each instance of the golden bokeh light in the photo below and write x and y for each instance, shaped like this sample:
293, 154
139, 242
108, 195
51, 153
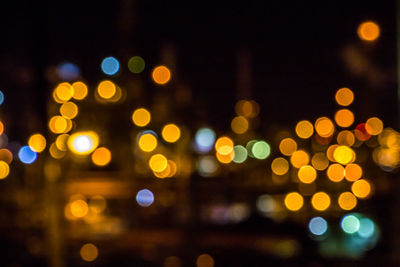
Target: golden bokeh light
37, 142
147, 142
344, 155
320, 201
63, 92
247, 108
97, 204
141, 117
204, 260
299, 158
1, 128
89, 252
239, 125
80, 90
6, 155
101, 156
61, 142
79, 208
330, 152
158, 163
225, 158
294, 201
224, 145
287, 146
307, 174
280, 166
353, 172
106, 89
319, 161
347, 201
171, 133
324, 127
361, 188
55, 152
304, 129
335, 172
368, 31
374, 126
69, 110
58, 124
345, 138
161, 75
344, 118
344, 97
83, 143
4, 169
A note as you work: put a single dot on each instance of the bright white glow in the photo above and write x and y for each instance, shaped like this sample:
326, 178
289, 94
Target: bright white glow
83, 143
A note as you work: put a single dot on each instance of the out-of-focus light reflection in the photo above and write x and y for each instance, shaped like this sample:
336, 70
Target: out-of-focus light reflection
1, 97
141, 117
350, 224
79, 208
6, 155
344, 97
261, 150
37, 142
374, 126
247, 108
280, 166
266, 204
344, 118
205, 260
205, 138
361, 188
347, 201
4, 169
110, 65
240, 154
318, 226
304, 129
353, 172
344, 155
207, 166
361, 133
172, 261
320, 201
171, 133
101, 156
106, 89
83, 143
80, 90
319, 161
145, 198
287, 146
89, 252
299, 158
147, 142
136, 64
324, 127
345, 138
158, 163
368, 31
27, 155
63, 92
294, 201
307, 174
335, 172
68, 71
224, 146
367, 228
239, 125
161, 75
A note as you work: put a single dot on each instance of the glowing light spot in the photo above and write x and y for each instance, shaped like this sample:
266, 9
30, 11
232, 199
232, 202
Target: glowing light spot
335, 172
247, 108
89, 252
147, 142
225, 158
239, 125
80, 90
287, 146
361, 132
280, 166
64, 92
171, 133
307, 174
58, 124
299, 158
79, 208
101, 156
1, 98
345, 138
141, 117
344, 96
4, 169
69, 110
204, 139
350, 224
83, 143
205, 260
361, 188
304, 129
61, 142
266, 204
224, 145
367, 228
344, 118
368, 31
353, 172
110, 65
374, 126
37, 143
347, 201
158, 163
318, 226
27, 155
344, 155
106, 89
294, 201
207, 166
330, 152
136, 64
240, 154
261, 150
319, 161
161, 75
55, 152
320, 201
324, 127
68, 71
6, 155
144, 198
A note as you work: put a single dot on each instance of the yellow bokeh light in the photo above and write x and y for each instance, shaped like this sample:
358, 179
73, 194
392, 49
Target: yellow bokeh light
141, 117
101, 156
294, 201
83, 143
55, 152
335, 172
280, 166
89, 252
106, 89
324, 127
344, 97
344, 155
307, 174
299, 158
330, 152
61, 142
304, 129
344, 118
320, 201
80, 90
224, 146
247, 108
319, 161
1, 128
205, 260
79, 208
361, 188
58, 124
287, 146
69, 110
158, 163
171, 133
161, 75
37, 142
368, 31
4, 169
374, 126
345, 138
347, 201
239, 125
225, 158
63, 92
147, 142
353, 172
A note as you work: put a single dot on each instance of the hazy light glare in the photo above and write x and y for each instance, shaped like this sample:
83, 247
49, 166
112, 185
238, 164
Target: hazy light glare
136, 64
83, 143
68, 71
247, 108
367, 228
27, 155
110, 65
145, 198
318, 226
161, 75
207, 166
350, 224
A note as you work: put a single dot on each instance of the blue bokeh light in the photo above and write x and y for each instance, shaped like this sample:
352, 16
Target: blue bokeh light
367, 228
27, 155
144, 198
110, 65
318, 226
350, 224
68, 71
205, 138
1, 98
